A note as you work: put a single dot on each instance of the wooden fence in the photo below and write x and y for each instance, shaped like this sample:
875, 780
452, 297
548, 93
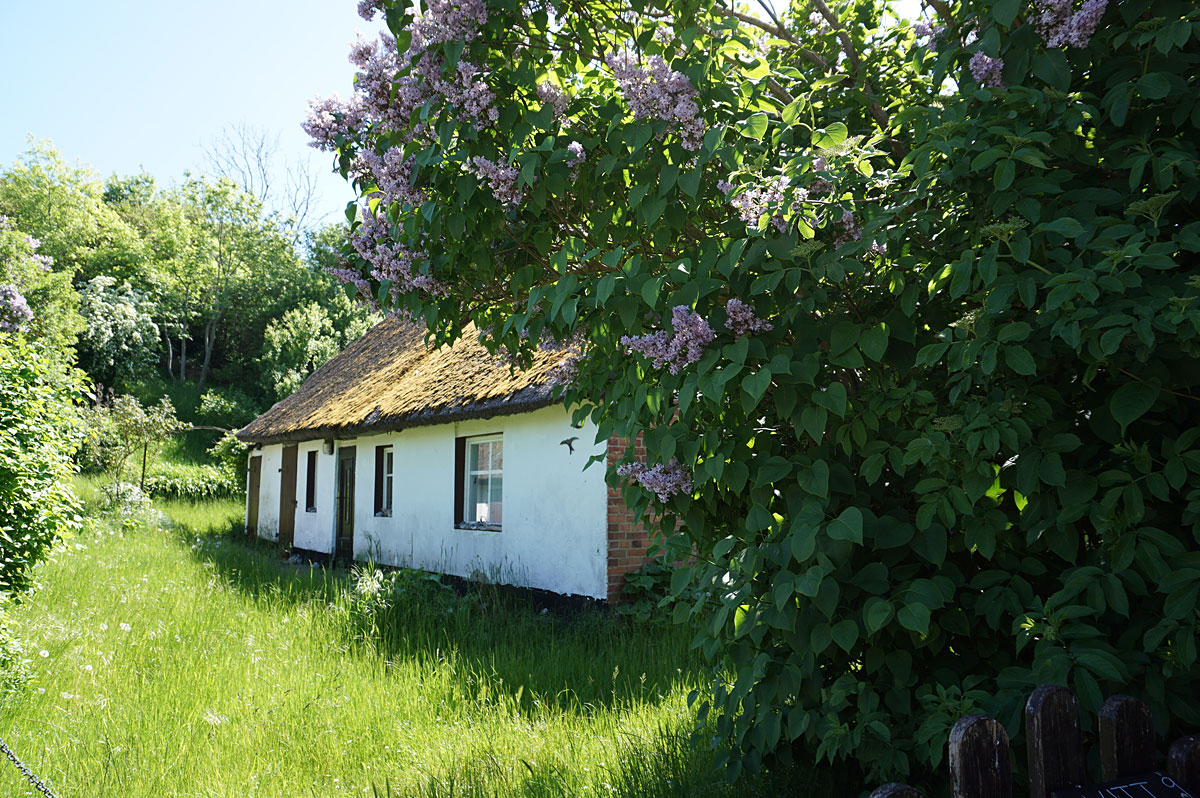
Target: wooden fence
980, 762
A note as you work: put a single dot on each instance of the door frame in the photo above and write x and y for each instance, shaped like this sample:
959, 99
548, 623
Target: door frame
347, 458
287, 495
253, 493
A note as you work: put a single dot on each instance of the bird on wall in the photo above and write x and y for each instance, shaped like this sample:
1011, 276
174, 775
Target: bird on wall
569, 443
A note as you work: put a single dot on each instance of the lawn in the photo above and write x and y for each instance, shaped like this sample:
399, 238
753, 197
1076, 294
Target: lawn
181, 661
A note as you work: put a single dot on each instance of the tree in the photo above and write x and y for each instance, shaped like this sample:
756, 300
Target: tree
300, 342
120, 341
905, 316
50, 304
37, 439
117, 426
249, 157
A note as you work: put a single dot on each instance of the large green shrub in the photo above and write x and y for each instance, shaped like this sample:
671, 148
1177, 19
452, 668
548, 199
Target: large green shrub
37, 437
908, 321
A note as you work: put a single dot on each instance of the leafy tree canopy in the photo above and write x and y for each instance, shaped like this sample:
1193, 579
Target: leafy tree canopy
906, 315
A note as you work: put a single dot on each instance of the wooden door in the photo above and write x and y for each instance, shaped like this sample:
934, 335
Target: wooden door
287, 498
252, 491
344, 549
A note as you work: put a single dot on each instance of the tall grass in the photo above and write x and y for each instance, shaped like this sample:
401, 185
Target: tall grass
190, 663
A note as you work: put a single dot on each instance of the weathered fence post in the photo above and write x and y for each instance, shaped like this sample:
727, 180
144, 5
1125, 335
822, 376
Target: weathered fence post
1053, 740
895, 789
1126, 738
1183, 763
980, 765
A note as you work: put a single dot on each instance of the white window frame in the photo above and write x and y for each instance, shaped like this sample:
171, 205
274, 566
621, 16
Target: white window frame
469, 472
389, 478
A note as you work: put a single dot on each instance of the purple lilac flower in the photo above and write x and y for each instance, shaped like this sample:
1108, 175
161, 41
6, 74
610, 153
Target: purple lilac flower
1060, 25
923, 30
14, 310
330, 118
391, 261
44, 261
768, 198
553, 96
392, 174
367, 8
501, 179
4, 224
850, 229
658, 92
448, 20
576, 157
664, 480
741, 320
686, 344
986, 70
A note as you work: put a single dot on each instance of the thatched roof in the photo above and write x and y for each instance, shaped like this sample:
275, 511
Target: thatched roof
389, 379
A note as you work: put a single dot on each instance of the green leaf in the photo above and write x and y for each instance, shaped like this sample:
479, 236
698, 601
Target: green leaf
756, 384
845, 634
1065, 226
1005, 11
832, 398
1154, 86
1019, 360
1006, 171
874, 341
814, 419
1131, 401
831, 136
876, 614
914, 617
847, 526
753, 127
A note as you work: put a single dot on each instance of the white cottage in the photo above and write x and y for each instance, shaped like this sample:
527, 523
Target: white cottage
440, 459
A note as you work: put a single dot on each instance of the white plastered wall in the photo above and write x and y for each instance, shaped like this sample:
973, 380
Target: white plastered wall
315, 530
268, 491
554, 533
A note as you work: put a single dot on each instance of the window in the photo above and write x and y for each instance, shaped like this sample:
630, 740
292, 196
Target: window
481, 482
383, 480
310, 484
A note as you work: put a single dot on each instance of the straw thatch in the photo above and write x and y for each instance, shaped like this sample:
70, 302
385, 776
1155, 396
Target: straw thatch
389, 380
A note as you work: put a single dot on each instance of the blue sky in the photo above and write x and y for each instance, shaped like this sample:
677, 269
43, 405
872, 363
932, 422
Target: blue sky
125, 84
130, 84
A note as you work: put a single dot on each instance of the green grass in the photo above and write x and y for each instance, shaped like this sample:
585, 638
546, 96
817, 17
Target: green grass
188, 663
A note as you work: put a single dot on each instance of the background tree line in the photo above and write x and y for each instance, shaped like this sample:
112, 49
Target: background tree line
187, 289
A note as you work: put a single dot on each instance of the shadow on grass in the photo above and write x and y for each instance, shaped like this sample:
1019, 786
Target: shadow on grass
499, 641
667, 765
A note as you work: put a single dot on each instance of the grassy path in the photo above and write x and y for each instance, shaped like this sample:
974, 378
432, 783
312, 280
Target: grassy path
184, 663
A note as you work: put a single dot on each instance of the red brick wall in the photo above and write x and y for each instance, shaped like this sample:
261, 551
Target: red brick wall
627, 537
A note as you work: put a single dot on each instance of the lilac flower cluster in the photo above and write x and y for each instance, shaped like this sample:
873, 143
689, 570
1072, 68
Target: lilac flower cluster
344, 274
391, 261
658, 92
14, 310
367, 8
740, 319
553, 96
567, 369
686, 344
849, 229
392, 174
765, 198
448, 21
923, 30
4, 224
820, 185
1060, 26
664, 480
575, 158
382, 97
331, 118
987, 70
501, 179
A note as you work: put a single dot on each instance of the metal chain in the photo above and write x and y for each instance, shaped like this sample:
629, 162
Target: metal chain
34, 780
